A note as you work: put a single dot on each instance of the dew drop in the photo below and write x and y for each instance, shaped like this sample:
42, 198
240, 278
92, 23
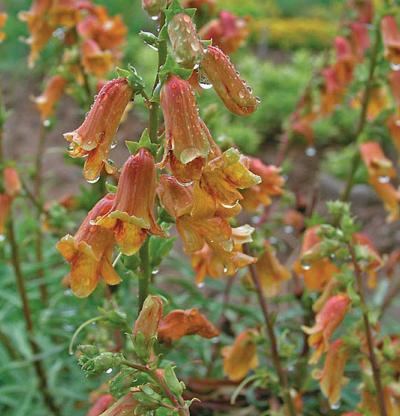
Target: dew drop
113, 145
225, 269
397, 122
46, 123
305, 265
335, 406
204, 82
288, 229
155, 18
93, 180
155, 271
109, 371
395, 67
200, 285
311, 151
384, 179
2, 237
92, 222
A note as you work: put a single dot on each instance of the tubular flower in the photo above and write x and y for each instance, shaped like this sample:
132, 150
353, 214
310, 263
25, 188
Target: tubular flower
214, 261
149, 318
37, 19
364, 10
3, 19
391, 39
47, 101
271, 272
187, 137
153, 7
89, 252
233, 91
241, 357
228, 32
271, 185
394, 82
175, 198
5, 206
12, 183
94, 137
64, 13
390, 197
331, 377
327, 320
180, 323
331, 90
220, 182
125, 406
131, 216
344, 61
359, 39
317, 271
186, 46
393, 125
101, 405
94, 60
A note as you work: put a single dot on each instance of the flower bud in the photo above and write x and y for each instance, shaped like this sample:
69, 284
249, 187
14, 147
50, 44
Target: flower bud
149, 317
391, 39
125, 406
153, 7
12, 183
186, 46
233, 91
94, 137
131, 216
185, 133
47, 101
5, 206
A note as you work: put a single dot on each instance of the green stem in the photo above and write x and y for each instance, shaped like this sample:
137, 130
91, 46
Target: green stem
356, 160
368, 332
145, 276
276, 359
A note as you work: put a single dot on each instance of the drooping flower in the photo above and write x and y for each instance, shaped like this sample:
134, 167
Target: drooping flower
187, 137
5, 206
186, 46
271, 185
228, 32
94, 137
359, 39
149, 318
125, 406
316, 270
47, 101
370, 406
391, 39
175, 198
270, 271
241, 357
364, 10
89, 252
64, 13
131, 217
101, 404
327, 320
3, 19
331, 377
180, 323
94, 60
390, 197
12, 183
233, 91
344, 61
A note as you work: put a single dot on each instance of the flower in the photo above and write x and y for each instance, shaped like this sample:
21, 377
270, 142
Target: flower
101, 405
207, 5
94, 60
233, 91
64, 13
391, 39
228, 32
5, 206
149, 318
390, 197
124, 406
179, 323
271, 185
89, 252
331, 377
175, 198
12, 183
369, 405
359, 39
131, 217
47, 101
220, 182
315, 269
270, 271
186, 46
3, 19
93, 138
187, 137
364, 10
241, 357
327, 320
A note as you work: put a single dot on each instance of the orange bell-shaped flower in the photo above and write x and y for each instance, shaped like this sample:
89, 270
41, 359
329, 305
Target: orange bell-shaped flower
89, 252
131, 216
94, 60
52, 93
94, 137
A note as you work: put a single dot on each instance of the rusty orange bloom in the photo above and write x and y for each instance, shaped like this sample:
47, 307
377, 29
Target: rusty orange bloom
261, 194
317, 271
345, 61
175, 198
393, 125
149, 318
94, 137
331, 377
37, 19
12, 183
47, 101
3, 19
270, 271
391, 39
364, 10
64, 13
233, 91
221, 181
328, 319
180, 323
89, 252
94, 60
390, 197
186, 135
131, 216
5, 206
359, 39
100, 405
124, 406
228, 32
186, 46
241, 357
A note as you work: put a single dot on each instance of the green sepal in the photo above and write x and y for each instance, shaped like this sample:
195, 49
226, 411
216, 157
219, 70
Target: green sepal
111, 188
144, 142
173, 383
134, 79
149, 38
141, 346
171, 67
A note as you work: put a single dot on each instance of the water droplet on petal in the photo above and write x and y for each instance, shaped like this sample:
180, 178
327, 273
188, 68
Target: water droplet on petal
288, 229
311, 151
155, 18
335, 406
200, 285
93, 180
46, 123
109, 371
384, 179
2, 237
395, 67
305, 265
